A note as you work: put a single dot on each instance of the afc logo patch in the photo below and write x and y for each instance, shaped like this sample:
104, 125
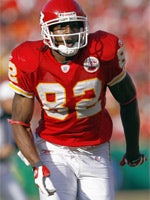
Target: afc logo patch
91, 64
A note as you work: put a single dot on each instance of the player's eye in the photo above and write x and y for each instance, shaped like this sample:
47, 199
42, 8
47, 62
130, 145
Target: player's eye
62, 26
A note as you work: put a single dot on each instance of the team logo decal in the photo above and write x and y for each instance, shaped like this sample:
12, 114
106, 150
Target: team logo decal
91, 64
65, 68
41, 18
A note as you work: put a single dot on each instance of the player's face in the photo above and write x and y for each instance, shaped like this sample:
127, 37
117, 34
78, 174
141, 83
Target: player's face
64, 30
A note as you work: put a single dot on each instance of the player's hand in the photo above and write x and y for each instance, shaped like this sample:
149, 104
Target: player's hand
133, 163
42, 180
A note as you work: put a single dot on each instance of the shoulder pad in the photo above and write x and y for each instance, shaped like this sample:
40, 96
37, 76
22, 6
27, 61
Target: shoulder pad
26, 56
105, 44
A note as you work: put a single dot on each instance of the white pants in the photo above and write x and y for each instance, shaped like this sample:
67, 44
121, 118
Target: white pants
78, 173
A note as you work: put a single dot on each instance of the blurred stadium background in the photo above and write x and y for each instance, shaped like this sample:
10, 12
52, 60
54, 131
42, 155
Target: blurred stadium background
128, 19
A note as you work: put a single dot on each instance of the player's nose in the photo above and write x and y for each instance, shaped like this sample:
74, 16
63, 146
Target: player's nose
68, 29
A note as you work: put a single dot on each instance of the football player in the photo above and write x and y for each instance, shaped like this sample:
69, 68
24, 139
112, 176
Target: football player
68, 72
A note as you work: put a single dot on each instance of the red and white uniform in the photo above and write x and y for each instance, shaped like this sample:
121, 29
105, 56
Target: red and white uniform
72, 95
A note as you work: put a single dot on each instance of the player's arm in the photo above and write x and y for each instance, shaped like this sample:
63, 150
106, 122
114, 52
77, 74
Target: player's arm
22, 110
125, 93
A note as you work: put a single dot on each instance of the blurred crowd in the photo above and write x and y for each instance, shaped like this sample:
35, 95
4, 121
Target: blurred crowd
129, 20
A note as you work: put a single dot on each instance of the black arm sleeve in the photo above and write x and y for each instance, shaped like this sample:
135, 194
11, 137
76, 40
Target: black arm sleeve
125, 93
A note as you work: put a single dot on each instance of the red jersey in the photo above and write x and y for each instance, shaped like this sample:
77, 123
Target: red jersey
72, 95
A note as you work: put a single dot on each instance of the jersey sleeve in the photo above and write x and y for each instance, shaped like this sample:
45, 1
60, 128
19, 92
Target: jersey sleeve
112, 56
116, 66
21, 65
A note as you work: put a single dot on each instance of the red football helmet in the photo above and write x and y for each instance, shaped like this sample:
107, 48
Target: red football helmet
62, 11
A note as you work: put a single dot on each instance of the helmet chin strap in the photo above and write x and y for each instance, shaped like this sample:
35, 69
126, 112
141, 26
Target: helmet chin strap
66, 51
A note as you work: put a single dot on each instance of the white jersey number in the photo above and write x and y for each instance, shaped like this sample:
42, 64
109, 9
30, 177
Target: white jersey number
55, 105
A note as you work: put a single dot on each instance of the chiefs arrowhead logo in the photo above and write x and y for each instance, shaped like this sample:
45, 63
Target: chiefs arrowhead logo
91, 64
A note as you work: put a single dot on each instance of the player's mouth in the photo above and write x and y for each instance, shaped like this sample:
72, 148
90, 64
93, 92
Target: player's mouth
69, 43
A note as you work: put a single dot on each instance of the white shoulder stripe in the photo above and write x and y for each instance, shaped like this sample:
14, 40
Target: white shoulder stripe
19, 90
